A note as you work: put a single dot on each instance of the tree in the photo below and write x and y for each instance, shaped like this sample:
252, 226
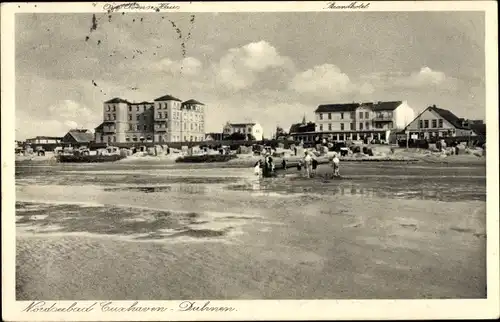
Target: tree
250, 137
280, 133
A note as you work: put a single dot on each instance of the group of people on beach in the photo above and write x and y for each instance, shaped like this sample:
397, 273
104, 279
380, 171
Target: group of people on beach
266, 167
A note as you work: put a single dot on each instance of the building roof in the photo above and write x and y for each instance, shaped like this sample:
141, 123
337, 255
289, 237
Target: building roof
449, 116
141, 103
46, 138
351, 107
192, 101
117, 100
478, 128
302, 127
81, 135
386, 106
167, 98
241, 124
99, 128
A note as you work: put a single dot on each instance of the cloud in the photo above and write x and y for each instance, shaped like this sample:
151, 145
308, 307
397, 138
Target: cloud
28, 126
59, 119
239, 68
327, 81
188, 66
72, 110
423, 79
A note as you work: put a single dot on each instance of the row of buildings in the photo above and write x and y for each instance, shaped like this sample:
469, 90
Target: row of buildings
169, 119
383, 121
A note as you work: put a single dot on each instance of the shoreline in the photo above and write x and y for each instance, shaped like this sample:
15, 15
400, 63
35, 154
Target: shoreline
250, 161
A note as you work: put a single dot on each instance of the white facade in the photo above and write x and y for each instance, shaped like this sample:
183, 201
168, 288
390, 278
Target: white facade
363, 121
255, 129
403, 115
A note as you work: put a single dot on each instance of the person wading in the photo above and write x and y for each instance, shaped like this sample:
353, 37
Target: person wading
308, 164
335, 163
314, 163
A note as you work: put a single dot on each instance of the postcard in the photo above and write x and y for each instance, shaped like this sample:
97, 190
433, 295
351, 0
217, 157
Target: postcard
250, 160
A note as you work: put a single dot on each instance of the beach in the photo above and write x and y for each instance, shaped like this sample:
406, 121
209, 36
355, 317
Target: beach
172, 231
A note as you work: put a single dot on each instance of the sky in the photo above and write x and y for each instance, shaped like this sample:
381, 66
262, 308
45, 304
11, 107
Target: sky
270, 68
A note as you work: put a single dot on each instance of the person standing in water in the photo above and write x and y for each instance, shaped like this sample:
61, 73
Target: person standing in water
308, 164
335, 162
314, 163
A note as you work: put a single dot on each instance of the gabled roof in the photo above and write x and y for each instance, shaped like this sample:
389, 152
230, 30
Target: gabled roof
117, 100
81, 135
301, 127
192, 101
386, 106
448, 116
167, 98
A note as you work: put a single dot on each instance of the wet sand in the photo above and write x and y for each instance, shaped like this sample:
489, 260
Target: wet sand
152, 233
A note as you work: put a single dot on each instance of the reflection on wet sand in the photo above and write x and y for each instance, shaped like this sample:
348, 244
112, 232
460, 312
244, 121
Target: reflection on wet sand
136, 223
223, 233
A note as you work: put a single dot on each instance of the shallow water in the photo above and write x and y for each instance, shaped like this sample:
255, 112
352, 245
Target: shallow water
285, 237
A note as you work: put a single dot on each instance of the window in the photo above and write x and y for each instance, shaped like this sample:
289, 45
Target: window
367, 115
130, 127
360, 115
329, 116
109, 117
420, 124
342, 126
114, 138
426, 124
320, 116
130, 117
352, 126
434, 123
108, 108
114, 108
329, 127
145, 127
440, 122
138, 128
130, 108
321, 127
109, 139
159, 115
360, 126
137, 108
367, 125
